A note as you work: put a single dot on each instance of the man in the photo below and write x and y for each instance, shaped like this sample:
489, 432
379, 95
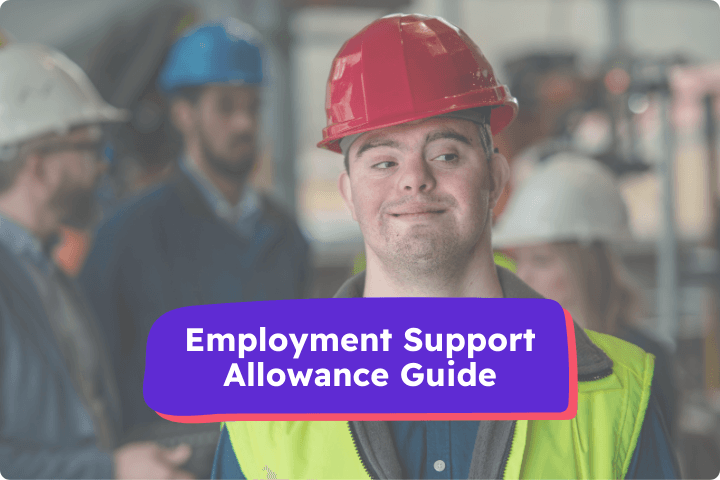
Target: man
58, 401
206, 236
412, 102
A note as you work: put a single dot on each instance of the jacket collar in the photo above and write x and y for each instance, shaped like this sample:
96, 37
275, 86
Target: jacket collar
591, 360
190, 195
242, 216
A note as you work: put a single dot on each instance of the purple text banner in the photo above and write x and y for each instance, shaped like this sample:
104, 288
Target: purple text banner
364, 359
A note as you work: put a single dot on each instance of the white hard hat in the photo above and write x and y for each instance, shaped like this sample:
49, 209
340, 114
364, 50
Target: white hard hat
42, 91
566, 198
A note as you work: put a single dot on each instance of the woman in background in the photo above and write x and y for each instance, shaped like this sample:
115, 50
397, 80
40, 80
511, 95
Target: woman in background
558, 227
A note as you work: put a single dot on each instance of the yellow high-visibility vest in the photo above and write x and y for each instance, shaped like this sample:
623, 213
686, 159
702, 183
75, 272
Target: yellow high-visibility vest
598, 443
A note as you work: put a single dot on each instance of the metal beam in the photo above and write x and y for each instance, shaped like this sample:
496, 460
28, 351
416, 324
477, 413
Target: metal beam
667, 242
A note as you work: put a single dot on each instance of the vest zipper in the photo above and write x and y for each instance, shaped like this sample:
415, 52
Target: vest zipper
508, 449
361, 455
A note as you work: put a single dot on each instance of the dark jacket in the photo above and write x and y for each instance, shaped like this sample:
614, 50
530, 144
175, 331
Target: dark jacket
664, 384
169, 250
45, 429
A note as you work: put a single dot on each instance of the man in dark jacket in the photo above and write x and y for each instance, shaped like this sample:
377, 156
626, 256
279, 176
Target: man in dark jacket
206, 236
59, 409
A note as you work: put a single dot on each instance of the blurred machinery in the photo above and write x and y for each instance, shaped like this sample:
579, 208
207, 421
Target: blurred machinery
564, 108
124, 67
645, 118
696, 109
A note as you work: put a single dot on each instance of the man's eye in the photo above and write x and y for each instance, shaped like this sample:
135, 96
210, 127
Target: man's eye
384, 165
447, 157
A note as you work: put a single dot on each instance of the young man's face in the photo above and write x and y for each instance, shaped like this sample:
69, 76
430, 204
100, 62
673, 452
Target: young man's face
422, 191
225, 121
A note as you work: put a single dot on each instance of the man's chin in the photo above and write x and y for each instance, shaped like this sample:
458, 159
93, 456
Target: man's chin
423, 236
238, 169
81, 222
83, 217
422, 251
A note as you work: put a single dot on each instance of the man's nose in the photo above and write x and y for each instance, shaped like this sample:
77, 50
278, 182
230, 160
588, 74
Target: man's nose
416, 176
243, 120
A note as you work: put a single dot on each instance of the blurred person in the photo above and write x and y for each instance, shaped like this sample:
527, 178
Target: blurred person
58, 399
412, 104
123, 67
204, 236
559, 225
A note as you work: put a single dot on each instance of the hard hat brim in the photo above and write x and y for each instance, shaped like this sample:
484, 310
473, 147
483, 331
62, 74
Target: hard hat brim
502, 115
104, 115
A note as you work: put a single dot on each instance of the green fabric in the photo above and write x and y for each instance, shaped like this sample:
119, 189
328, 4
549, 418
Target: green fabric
359, 263
607, 426
291, 450
505, 261
600, 440
597, 443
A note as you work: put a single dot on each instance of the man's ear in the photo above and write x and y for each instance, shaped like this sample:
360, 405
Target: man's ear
181, 114
499, 175
346, 192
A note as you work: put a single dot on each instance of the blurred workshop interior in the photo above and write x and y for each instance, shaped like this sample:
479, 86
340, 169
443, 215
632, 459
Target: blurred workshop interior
635, 84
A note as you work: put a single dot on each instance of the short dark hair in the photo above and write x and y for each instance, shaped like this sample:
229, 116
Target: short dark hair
485, 141
347, 161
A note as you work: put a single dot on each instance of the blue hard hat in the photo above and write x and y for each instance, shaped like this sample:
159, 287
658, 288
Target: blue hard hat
222, 51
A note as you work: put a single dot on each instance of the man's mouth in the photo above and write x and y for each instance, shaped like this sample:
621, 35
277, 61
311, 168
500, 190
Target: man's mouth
416, 213
418, 209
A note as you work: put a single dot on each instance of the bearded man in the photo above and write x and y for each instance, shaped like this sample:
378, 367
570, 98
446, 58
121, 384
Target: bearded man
206, 235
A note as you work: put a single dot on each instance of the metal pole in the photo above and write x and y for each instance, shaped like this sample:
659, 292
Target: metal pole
272, 18
667, 243
615, 24
286, 138
712, 308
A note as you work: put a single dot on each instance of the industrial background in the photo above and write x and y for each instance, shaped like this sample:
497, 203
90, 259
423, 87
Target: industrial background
642, 75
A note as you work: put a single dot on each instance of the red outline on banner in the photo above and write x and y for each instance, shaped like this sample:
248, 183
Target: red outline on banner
568, 414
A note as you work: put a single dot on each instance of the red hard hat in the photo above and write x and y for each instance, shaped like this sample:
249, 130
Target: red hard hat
402, 68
